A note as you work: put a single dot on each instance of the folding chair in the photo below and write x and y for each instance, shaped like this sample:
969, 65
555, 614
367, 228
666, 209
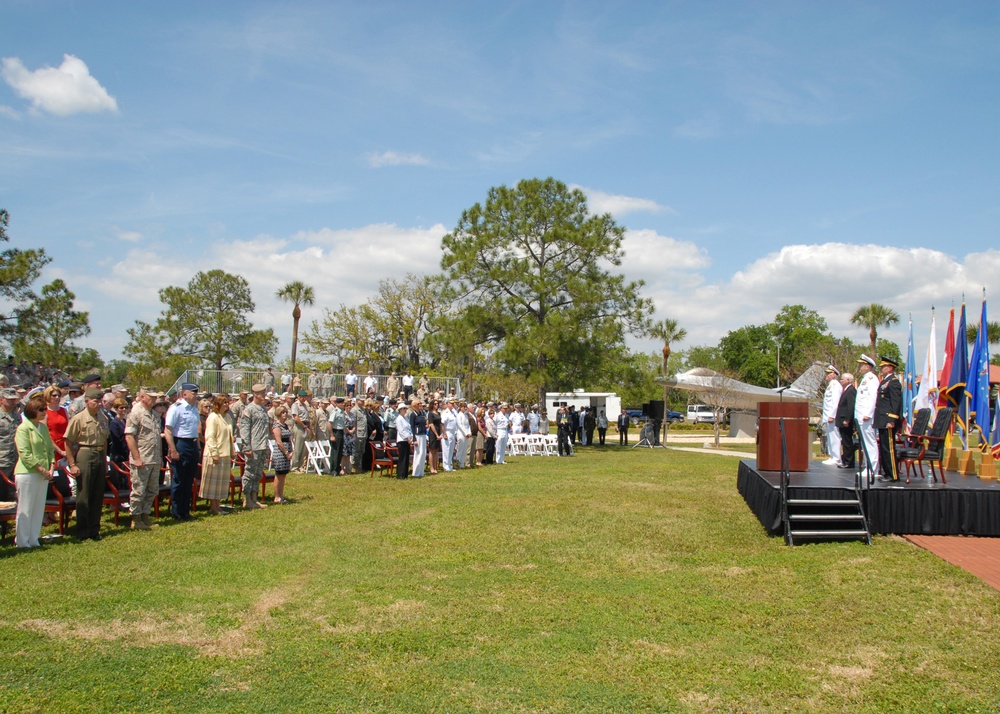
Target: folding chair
236, 478
119, 498
163, 492
319, 455
65, 506
382, 455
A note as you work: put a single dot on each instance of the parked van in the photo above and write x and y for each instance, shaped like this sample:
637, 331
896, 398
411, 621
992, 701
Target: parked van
701, 414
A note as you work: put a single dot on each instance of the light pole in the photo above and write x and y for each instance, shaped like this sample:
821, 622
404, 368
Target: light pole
777, 341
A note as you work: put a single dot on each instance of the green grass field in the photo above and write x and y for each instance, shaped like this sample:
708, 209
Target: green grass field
616, 581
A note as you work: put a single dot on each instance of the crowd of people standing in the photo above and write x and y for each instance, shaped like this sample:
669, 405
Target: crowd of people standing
75, 436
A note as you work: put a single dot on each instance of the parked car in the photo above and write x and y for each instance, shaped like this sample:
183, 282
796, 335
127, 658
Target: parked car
636, 417
701, 414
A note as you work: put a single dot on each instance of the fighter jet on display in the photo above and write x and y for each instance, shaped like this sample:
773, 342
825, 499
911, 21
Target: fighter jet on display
715, 389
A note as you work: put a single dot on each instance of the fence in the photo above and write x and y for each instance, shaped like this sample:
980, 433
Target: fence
233, 381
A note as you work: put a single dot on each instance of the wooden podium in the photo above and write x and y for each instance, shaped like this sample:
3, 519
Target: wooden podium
796, 416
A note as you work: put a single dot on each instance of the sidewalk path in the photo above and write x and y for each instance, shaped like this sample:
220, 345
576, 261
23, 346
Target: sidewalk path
979, 556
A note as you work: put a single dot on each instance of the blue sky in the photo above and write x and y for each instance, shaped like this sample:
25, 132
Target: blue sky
758, 153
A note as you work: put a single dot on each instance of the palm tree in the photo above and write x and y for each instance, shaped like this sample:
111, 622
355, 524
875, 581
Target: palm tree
668, 331
873, 317
992, 332
298, 293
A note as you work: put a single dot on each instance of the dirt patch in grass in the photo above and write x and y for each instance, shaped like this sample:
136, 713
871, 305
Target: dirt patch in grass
425, 513
645, 485
376, 619
659, 648
187, 629
845, 680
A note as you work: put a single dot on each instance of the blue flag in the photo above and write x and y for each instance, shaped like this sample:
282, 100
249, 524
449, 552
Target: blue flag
978, 388
909, 380
959, 374
995, 435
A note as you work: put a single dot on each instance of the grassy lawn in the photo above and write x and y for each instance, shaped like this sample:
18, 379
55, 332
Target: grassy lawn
619, 580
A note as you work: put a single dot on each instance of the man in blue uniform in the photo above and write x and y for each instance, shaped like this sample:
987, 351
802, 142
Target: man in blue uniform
180, 429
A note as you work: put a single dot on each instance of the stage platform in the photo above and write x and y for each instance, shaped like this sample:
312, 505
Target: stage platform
966, 505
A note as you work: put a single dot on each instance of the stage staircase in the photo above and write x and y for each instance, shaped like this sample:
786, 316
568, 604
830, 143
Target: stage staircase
839, 517
825, 519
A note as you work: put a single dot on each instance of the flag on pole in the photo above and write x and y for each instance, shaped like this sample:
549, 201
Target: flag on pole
959, 375
909, 379
978, 388
949, 352
927, 394
995, 434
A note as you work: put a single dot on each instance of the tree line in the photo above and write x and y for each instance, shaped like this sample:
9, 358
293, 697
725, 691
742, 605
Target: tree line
527, 301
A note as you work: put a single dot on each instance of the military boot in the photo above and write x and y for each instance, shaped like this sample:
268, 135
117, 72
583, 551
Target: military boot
138, 524
148, 520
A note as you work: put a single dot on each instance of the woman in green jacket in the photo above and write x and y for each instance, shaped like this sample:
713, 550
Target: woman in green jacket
32, 473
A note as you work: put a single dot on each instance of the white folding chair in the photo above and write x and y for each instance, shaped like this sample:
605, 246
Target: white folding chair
319, 455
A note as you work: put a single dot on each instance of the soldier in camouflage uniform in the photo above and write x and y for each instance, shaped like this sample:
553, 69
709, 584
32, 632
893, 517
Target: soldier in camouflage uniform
142, 434
8, 450
360, 434
91, 381
236, 409
255, 430
338, 419
301, 431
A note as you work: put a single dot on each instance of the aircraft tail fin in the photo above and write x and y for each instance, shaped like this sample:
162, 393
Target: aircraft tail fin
810, 381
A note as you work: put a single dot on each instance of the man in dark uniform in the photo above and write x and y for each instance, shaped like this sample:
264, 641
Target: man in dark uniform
888, 407
845, 420
562, 431
623, 428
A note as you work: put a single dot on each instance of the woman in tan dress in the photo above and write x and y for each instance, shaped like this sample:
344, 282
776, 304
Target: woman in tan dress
217, 459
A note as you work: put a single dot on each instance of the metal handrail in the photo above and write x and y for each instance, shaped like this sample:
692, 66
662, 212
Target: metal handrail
785, 478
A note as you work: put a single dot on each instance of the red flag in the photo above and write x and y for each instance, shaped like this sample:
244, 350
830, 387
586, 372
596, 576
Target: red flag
949, 354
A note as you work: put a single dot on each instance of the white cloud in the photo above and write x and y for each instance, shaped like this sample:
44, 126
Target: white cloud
661, 259
600, 202
128, 236
395, 158
343, 267
63, 90
834, 279
9, 112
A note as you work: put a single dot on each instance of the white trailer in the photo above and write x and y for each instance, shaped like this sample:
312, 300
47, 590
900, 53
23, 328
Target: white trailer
610, 402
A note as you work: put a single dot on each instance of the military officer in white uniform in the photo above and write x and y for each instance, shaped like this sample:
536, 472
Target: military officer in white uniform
831, 399
864, 411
